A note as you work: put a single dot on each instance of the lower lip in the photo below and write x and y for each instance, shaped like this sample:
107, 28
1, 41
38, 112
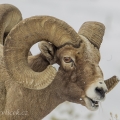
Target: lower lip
93, 104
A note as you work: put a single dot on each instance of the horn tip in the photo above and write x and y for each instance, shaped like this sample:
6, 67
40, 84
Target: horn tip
118, 78
93, 31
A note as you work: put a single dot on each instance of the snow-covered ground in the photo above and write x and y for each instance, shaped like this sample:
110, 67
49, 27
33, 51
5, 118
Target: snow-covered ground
75, 13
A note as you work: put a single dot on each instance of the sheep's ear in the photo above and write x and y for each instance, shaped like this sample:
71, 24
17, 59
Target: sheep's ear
111, 83
47, 49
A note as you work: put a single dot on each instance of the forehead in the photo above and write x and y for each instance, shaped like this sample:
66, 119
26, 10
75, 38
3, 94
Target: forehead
86, 51
67, 50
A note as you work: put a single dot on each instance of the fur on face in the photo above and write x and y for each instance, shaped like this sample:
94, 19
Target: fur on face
83, 63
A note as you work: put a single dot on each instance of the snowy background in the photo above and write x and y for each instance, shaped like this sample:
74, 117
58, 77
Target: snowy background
75, 13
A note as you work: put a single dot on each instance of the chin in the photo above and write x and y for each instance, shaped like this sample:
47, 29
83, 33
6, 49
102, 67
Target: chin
91, 104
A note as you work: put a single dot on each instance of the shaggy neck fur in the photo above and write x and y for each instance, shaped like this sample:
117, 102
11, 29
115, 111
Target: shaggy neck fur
33, 104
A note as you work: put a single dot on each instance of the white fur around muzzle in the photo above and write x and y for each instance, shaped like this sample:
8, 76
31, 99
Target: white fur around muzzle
92, 94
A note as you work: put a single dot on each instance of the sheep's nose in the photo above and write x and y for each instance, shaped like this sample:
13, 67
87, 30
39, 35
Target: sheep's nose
100, 91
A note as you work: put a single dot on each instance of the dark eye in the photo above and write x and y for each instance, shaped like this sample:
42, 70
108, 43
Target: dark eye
67, 59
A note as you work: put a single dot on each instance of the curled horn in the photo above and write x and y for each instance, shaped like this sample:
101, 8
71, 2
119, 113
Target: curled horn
9, 17
111, 82
93, 31
23, 36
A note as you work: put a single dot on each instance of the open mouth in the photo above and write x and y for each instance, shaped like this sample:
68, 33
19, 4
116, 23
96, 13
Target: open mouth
93, 102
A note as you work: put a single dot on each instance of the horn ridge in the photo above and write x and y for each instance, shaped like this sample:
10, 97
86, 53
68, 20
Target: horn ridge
111, 82
23, 36
9, 17
93, 31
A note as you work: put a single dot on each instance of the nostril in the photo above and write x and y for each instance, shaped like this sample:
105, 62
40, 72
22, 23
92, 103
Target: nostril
100, 82
100, 91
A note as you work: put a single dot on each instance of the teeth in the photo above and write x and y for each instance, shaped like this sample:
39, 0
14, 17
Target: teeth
92, 104
96, 104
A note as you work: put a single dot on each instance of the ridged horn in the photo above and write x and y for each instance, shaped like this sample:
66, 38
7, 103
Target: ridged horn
23, 36
111, 82
93, 31
9, 17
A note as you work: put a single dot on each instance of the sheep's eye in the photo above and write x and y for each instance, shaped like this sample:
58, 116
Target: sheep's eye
67, 59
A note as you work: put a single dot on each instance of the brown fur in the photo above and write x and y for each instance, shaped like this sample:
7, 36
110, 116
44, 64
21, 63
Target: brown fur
68, 85
71, 81
38, 63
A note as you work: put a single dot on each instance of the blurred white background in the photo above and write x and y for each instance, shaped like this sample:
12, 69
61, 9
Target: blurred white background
75, 13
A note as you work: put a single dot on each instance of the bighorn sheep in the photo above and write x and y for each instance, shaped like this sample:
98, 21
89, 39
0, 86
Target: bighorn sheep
32, 86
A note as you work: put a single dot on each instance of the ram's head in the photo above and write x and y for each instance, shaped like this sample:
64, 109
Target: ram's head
79, 78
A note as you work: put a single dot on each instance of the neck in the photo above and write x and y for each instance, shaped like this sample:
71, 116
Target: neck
48, 98
38, 62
